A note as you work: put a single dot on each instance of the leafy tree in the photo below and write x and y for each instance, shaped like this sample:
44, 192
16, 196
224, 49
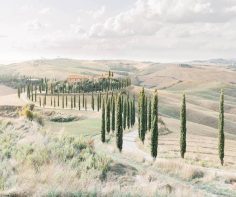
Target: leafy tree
221, 136
183, 128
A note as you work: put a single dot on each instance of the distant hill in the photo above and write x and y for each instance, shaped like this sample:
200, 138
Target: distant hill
217, 61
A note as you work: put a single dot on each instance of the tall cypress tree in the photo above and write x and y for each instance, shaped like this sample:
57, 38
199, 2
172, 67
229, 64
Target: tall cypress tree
18, 92
66, 101
113, 114
71, 102
103, 130
83, 101
54, 102
221, 136
124, 113
98, 102
128, 113
79, 102
183, 128
142, 114
119, 128
63, 103
154, 127
149, 115
74, 101
58, 99
108, 127
92, 101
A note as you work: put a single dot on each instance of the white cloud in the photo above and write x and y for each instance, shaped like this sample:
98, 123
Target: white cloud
35, 25
45, 11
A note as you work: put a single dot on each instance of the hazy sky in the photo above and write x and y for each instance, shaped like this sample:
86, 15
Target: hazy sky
158, 30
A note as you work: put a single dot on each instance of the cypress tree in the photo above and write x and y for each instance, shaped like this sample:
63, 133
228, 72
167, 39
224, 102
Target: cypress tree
98, 102
108, 116
124, 113
63, 101
128, 114
71, 102
54, 102
35, 94
221, 137
92, 101
40, 101
145, 114
58, 99
183, 128
74, 101
45, 100
142, 114
113, 114
119, 128
83, 101
103, 131
154, 127
66, 101
18, 92
149, 115
79, 102
133, 112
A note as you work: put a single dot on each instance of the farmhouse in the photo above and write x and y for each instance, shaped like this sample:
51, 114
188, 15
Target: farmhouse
76, 78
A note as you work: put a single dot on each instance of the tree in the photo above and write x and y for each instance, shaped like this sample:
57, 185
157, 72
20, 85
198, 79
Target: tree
124, 113
71, 102
58, 99
83, 101
149, 115
79, 102
113, 114
108, 116
74, 101
221, 136
98, 102
154, 127
128, 113
63, 101
142, 114
119, 128
103, 131
18, 92
66, 101
92, 101
54, 102
183, 128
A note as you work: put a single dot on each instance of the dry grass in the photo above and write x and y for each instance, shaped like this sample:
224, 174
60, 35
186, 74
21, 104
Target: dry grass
179, 169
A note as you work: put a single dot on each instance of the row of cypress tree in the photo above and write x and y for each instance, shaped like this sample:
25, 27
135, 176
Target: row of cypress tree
118, 114
149, 121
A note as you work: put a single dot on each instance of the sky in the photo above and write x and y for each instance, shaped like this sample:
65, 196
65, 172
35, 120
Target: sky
150, 30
